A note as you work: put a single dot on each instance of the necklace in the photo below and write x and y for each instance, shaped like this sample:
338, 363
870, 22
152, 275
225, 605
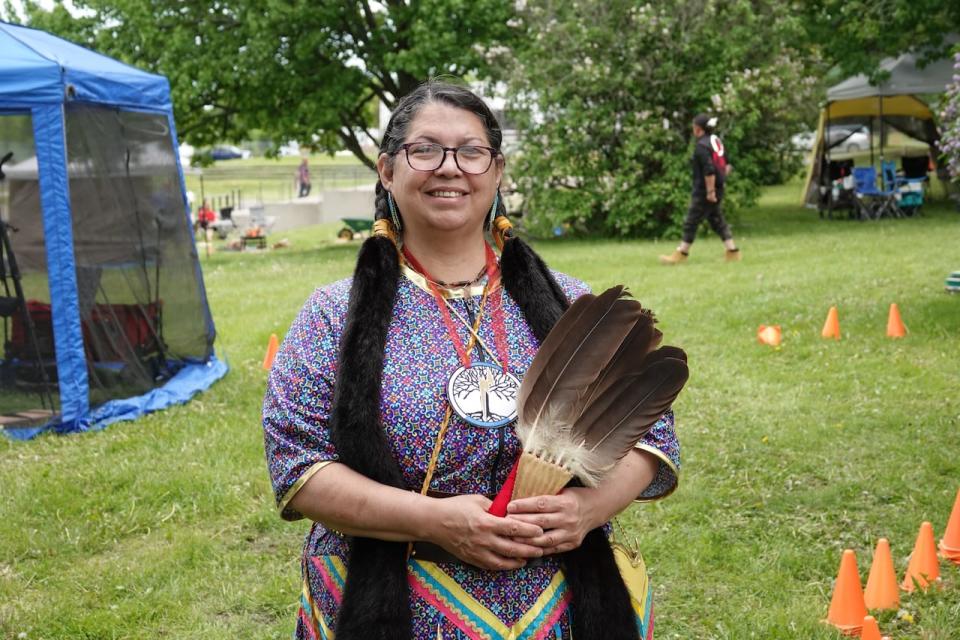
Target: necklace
462, 283
483, 394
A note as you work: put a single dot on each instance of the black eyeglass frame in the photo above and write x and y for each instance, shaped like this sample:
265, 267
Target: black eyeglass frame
494, 153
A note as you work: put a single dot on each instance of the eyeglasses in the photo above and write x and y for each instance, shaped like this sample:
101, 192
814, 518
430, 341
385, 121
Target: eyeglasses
430, 156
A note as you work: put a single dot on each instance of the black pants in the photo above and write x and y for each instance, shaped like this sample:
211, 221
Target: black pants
700, 209
304, 189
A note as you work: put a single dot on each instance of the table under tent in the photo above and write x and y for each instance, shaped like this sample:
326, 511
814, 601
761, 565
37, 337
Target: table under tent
867, 125
102, 302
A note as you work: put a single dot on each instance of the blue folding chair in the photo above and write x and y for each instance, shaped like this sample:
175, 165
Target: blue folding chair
872, 202
908, 192
891, 184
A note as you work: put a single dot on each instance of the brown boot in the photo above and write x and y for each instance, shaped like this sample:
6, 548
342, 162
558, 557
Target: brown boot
732, 256
676, 257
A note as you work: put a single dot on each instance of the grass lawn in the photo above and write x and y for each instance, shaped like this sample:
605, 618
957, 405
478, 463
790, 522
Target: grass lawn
165, 527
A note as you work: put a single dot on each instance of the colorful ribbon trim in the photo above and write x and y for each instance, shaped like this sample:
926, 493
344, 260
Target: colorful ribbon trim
439, 590
476, 621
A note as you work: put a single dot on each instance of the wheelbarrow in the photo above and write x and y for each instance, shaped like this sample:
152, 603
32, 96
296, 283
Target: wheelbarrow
354, 227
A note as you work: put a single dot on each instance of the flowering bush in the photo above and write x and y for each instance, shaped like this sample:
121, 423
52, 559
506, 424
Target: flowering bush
950, 123
604, 92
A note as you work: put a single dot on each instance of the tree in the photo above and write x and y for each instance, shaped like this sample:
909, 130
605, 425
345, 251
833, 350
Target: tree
856, 35
604, 93
304, 70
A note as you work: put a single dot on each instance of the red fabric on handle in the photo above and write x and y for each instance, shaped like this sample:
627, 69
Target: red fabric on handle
499, 506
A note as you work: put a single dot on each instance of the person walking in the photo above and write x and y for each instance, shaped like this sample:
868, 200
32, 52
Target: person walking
710, 168
303, 178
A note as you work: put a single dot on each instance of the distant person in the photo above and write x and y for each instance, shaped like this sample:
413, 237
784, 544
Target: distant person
205, 218
710, 169
303, 177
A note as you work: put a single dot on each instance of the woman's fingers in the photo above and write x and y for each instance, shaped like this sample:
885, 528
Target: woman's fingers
515, 549
544, 521
561, 517
515, 528
536, 504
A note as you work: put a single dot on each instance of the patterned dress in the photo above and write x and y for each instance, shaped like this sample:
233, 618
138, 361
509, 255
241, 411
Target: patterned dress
447, 600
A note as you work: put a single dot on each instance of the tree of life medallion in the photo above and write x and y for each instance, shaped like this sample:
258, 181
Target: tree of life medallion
484, 395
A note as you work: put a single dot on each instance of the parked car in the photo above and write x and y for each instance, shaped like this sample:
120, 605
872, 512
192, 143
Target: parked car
229, 152
849, 137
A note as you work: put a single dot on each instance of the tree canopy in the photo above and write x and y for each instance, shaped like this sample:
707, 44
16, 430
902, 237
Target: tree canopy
605, 91
305, 70
856, 35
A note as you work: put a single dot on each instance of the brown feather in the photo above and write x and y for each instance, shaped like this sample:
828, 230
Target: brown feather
596, 386
555, 338
628, 409
576, 358
642, 339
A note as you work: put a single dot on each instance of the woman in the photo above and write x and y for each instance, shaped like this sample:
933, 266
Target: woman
362, 438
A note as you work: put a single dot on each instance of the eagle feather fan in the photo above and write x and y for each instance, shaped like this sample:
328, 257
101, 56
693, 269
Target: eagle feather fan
597, 385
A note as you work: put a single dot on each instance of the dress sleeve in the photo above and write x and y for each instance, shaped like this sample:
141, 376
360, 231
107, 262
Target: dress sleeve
296, 407
662, 442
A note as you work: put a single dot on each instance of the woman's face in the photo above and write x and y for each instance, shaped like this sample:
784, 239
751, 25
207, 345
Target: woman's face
446, 199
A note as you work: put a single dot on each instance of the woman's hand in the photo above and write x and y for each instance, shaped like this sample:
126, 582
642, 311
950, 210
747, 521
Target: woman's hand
463, 527
565, 518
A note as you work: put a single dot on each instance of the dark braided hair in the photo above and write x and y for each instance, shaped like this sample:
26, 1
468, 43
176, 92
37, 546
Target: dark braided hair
375, 603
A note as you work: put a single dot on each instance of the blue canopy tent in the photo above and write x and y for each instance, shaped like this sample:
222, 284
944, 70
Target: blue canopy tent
104, 311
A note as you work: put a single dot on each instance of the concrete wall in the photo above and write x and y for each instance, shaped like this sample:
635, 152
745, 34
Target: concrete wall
290, 215
330, 206
355, 203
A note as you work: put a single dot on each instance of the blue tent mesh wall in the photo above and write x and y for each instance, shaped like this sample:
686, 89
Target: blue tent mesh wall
113, 320
23, 389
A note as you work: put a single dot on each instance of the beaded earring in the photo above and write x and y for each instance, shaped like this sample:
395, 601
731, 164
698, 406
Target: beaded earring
493, 209
393, 213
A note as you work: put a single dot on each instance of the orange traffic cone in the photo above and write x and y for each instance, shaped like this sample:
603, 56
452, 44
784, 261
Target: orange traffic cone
272, 347
871, 630
950, 543
924, 567
831, 328
881, 591
895, 328
770, 335
847, 609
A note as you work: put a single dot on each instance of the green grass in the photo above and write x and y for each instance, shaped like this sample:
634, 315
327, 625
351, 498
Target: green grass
165, 527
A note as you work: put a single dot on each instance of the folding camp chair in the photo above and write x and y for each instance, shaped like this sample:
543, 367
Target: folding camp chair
871, 201
912, 184
888, 176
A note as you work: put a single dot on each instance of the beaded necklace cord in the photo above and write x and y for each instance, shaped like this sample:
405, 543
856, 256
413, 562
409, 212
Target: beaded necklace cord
461, 351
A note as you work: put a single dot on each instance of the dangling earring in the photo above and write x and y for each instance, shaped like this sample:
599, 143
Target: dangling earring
393, 212
493, 209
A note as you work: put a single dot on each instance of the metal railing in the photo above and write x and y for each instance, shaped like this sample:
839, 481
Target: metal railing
225, 186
